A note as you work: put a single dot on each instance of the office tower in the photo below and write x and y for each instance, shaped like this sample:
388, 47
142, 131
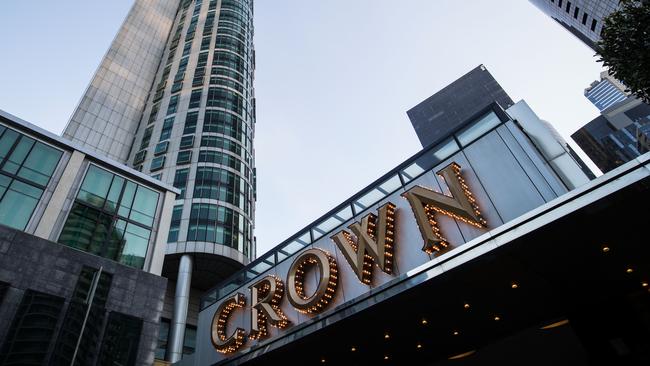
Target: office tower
606, 92
617, 136
583, 18
443, 112
82, 243
174, 98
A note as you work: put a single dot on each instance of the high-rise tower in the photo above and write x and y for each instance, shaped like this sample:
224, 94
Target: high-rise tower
583, 18
606, 92
174, 98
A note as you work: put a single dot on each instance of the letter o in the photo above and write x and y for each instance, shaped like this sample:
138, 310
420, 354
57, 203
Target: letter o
328, 281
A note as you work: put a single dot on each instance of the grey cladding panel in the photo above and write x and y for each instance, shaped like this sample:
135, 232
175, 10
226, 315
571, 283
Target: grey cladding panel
511, 189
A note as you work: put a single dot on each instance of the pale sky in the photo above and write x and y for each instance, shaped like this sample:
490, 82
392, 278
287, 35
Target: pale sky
334, 80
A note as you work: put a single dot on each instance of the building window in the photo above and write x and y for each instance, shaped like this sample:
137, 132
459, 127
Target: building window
180, 181
184, 157
161, 148
190, 123
111, 217
163, 338
223, 123
26, 167
214, 224
187, 48
175, 225
221, 143
157, 163
121, 339
220, 184
146, 137
593, 25
584, 19
173, 104
32, 329
166, 131
187, 142
568, 7
575, 12
157, 176
189, 343
139, 157
559, 3
195, 99
89, 297
224, 98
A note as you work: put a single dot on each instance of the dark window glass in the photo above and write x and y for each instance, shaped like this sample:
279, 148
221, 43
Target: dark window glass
157, 163
175, 224
184, 157
584, 18
190, 123
111, 217
173, 103
593, 25
89, 297
180, 180
121, 340
163, 337
146, 137
224, 123
187, 142
568, 7
195, 99
559, 3
189, 342
31, 330
161, 148
203, 60
222, 143
187, 48
168, 124
139, 157
26, 166
575, 12
224, 98
220, 184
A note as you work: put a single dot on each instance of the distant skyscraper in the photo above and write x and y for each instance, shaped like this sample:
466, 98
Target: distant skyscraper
583, 18
174, 98
444, 112
606, 92
617, 136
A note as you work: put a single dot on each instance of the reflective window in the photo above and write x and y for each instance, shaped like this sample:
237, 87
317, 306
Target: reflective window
190, 122
184, 157
429, 160
195, 99
161, 148
32, 329
180, 181
478, 128
26, 166
166, 131
157, 163
119, 345
111, 217
89, 297
217, 224
175, 225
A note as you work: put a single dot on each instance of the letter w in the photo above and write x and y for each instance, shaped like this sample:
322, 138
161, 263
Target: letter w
374, 242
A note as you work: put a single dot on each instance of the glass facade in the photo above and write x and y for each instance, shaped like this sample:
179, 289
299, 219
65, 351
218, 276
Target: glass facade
32, 329
121, 339
189, 342
111, 217
26, 166
205, 86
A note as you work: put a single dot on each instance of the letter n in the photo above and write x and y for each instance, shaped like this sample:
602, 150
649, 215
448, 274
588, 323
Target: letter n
374, 243
461, 206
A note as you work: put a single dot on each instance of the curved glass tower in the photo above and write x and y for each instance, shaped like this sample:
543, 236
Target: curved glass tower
193, 129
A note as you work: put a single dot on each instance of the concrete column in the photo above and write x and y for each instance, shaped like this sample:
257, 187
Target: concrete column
160, 244
181, 302
61, 191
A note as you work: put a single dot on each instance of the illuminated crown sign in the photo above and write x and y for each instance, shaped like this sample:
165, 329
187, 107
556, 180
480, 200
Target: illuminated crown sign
426, 203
